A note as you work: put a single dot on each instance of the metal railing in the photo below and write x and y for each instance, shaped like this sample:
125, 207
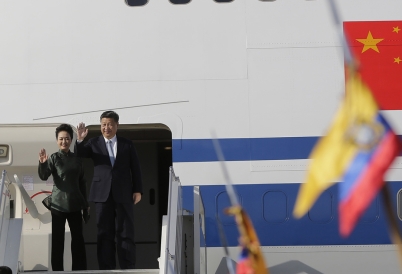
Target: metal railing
174, 226
200, 250
4, 216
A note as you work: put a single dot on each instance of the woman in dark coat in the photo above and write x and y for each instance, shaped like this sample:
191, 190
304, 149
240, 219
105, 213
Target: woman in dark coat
69, 198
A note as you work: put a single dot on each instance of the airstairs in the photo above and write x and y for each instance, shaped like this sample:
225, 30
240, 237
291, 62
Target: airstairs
10, 229
175, 256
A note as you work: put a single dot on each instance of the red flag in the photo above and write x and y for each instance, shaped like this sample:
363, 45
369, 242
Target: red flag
377, 45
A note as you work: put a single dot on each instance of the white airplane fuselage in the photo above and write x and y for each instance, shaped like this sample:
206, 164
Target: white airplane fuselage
266, 76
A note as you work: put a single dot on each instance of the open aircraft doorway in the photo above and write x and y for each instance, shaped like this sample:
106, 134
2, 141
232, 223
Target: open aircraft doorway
153, 143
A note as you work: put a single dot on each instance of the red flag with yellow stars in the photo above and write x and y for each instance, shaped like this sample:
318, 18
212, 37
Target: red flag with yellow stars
377, 45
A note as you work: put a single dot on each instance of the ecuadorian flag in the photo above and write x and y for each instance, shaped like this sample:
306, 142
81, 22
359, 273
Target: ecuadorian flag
364, 176
358, 149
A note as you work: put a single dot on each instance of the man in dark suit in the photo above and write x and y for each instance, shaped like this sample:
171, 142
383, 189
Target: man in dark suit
116, 187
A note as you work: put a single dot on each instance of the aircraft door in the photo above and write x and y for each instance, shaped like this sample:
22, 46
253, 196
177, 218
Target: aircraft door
153, 145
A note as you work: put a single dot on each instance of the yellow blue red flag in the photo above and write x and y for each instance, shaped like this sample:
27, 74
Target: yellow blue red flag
358, 149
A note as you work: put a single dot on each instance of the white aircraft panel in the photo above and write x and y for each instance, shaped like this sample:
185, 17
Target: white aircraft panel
257, 172
75, 102
394, 117
289, 24
309, 23
349, 259
294, 92
370, 10
100, 40
226, 111
220, 105
295, 171
190, 108
210, 173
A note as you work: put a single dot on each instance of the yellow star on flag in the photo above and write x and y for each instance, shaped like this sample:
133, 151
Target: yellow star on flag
397, 60
396, 29
370, 43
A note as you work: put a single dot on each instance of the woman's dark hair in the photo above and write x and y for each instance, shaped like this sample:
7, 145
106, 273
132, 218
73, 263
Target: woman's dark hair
5, 270
110, 114
64, 127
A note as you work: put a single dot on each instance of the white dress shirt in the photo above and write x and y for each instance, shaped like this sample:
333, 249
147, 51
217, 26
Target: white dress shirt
114, 145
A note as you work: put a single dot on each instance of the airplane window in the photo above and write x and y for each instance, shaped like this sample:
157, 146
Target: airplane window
223, 1
179, 2
136, 3
399, 204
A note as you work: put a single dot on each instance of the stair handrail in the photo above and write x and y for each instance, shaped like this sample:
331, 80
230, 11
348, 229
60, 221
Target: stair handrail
33, 210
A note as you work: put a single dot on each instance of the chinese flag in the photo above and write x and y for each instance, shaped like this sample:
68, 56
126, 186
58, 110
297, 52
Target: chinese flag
377, 45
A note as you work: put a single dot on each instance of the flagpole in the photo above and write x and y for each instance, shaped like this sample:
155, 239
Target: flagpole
248, 236
229, 185
395, 233
349, 58
225, 246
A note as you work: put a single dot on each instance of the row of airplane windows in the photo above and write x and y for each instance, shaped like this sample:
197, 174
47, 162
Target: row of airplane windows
136, 3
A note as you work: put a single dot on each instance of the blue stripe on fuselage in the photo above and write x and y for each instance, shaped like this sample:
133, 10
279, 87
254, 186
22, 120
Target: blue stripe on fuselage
243, 149
270, 208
